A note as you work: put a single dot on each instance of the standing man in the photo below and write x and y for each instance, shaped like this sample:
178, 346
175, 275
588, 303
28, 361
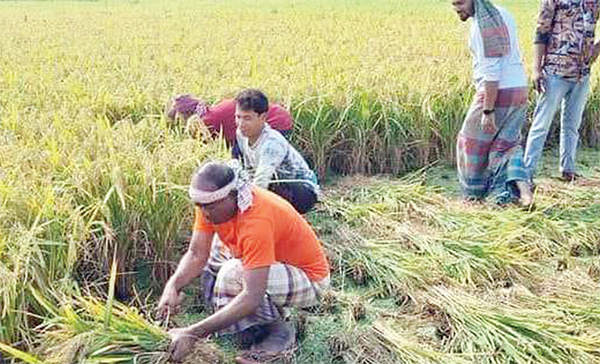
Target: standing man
564, 50
269, 259
489, 152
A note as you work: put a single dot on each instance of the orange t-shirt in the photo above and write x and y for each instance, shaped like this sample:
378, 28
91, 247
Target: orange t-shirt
270, 231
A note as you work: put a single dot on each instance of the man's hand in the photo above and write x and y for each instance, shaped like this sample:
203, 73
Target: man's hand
488, 123
196, 127
169, 301
539, 83
595, 52
189, 267
182, 342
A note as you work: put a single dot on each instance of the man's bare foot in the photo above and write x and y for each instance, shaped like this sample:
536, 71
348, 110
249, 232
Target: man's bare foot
526, 197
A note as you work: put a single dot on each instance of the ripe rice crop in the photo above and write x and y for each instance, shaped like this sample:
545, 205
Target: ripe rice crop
89, 167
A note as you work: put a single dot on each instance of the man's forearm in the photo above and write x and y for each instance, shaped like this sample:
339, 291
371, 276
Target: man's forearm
539, 53
241, 306
596, 51
190, 267
263, 175
490, 94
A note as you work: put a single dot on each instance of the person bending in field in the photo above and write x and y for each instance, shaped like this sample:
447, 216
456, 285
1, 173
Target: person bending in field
270, 159
269, 260
220, 118
489, 151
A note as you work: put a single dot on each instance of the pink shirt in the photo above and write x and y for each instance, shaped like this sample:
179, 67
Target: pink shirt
221, 116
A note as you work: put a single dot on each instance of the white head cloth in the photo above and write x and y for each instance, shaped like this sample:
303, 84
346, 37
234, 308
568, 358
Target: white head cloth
240, 183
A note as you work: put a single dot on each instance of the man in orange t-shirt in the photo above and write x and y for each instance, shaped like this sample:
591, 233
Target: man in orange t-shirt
265, 257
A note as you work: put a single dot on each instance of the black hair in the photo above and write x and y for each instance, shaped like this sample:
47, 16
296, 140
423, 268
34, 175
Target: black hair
252, 100
212, 176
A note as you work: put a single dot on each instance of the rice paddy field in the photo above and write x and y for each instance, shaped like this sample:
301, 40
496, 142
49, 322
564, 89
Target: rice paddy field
94, 214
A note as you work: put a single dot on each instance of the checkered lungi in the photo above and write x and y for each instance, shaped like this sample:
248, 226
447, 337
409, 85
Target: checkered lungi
287, 287
488, 162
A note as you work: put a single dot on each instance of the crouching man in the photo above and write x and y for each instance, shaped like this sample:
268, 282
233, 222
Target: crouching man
265, 258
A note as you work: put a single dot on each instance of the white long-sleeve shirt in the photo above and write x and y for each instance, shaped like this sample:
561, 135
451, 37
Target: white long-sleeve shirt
507, 70
272, 159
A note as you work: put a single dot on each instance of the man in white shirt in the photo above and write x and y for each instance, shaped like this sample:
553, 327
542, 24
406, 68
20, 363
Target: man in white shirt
489, 151
272, 161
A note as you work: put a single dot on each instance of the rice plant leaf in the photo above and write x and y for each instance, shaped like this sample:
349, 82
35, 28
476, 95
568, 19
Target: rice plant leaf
111, 292
42, 301
21, 355
104, 350
109, 360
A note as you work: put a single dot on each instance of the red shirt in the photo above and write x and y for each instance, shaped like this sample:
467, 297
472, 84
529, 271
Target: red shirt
222, 117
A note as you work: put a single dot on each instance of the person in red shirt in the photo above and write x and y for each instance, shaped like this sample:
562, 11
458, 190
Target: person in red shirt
220, 118
265, 258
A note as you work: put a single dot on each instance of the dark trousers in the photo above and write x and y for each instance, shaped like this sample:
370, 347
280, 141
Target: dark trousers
300, 194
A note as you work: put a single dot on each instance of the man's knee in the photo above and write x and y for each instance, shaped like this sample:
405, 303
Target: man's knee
229, 282
306, 198
542, 123
300, 195
232, 270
